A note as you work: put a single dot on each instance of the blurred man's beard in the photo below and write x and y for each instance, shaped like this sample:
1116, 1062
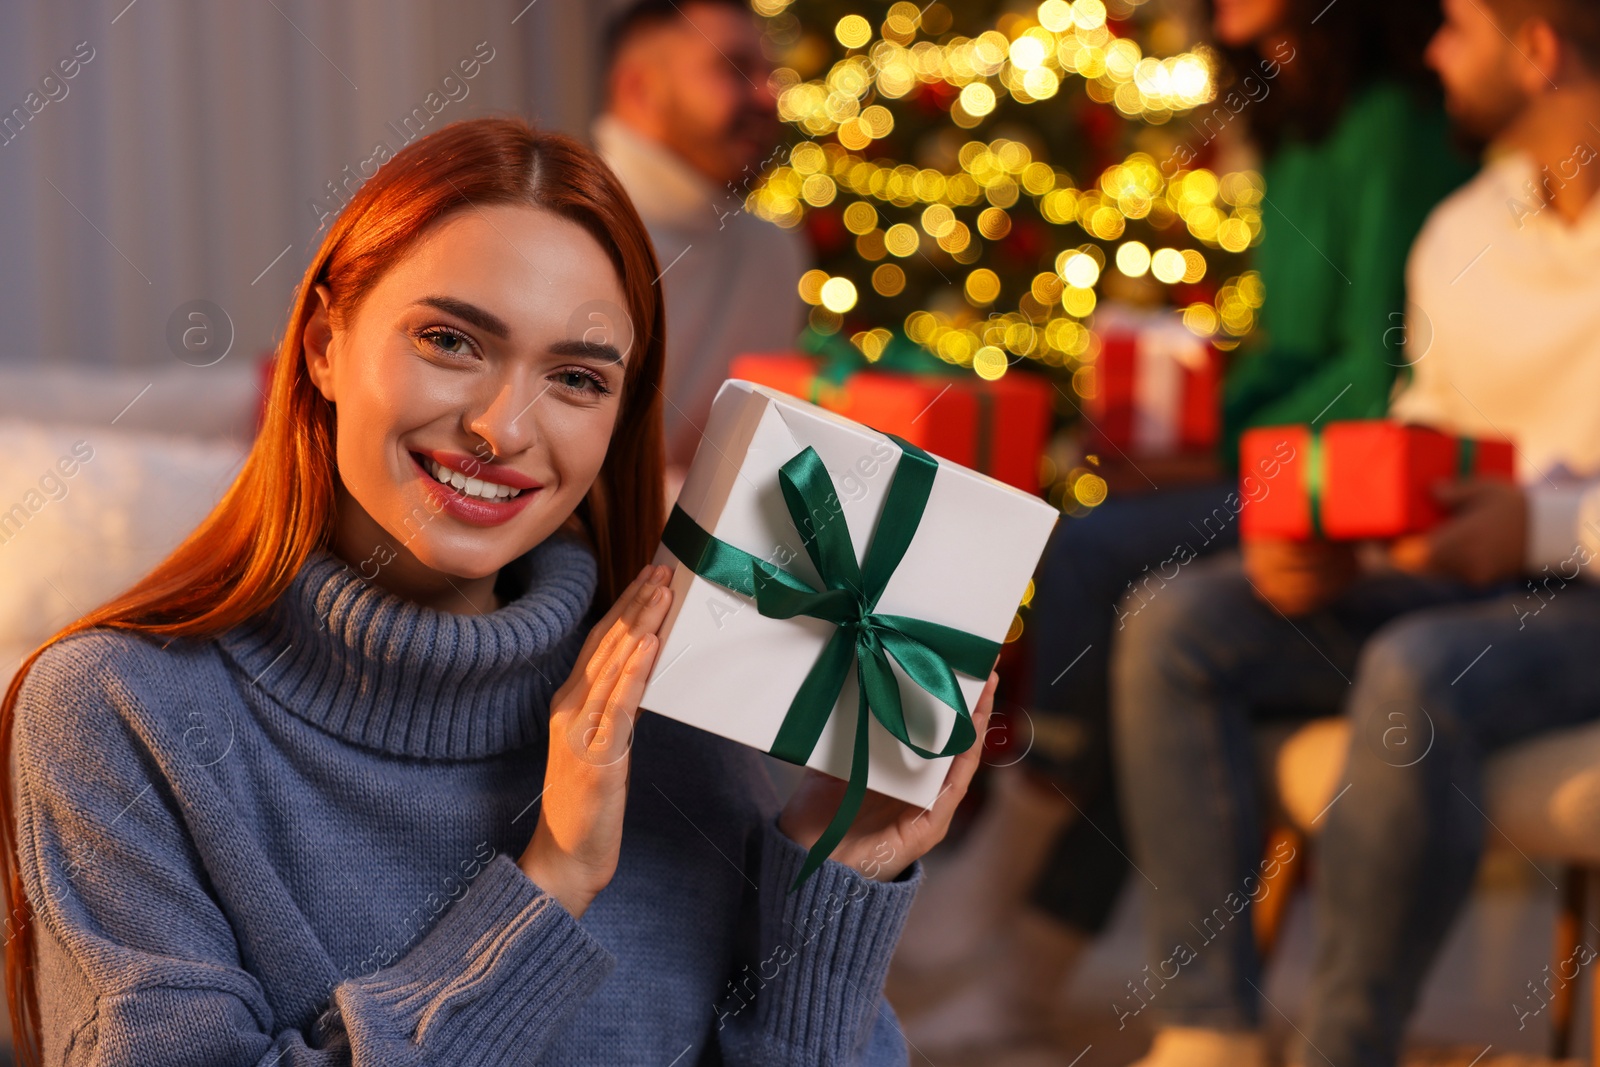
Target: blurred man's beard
1486, 116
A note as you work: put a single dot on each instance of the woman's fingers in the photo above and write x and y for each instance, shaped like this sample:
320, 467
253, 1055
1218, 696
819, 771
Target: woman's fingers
622, 709
581, 674
965, 764
617, 673
604, 733
635, 609
603, 627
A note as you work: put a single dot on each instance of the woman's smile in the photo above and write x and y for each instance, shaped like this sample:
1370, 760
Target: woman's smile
489, 496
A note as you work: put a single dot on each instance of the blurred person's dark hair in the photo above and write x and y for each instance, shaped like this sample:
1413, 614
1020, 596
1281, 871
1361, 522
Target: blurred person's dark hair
642, 15
1339, 48
1576, 22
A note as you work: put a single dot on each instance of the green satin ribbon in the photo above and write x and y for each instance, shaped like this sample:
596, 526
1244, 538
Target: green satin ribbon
1316, 478
927, 652
1466, 457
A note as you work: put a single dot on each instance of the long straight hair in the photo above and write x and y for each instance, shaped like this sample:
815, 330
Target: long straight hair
245, 553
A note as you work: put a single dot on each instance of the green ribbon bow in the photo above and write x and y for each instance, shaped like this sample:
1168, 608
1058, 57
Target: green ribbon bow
928, 652
1317, 474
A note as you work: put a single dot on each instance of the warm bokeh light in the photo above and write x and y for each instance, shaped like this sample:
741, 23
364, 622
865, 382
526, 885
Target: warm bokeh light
989, 363
838, 295
1080, 270
978, 99
983, 286
901, 240
1133, 258
811, 286
853, 31
888, 280
1168, 265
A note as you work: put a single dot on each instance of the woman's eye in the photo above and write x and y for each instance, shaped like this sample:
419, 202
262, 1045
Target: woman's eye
583, 382
450, 342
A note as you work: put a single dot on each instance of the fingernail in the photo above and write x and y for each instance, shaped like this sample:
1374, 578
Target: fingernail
647, 569
661, 592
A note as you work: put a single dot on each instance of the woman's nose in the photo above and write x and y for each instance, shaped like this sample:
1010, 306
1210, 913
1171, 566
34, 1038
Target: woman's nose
508, 419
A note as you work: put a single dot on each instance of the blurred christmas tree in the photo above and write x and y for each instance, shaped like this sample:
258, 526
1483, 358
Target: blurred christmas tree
978, 176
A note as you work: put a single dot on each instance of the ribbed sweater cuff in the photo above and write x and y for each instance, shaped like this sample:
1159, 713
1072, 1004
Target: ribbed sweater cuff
490, 981
826, 949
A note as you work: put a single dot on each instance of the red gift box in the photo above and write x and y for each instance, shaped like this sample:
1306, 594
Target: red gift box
1157, 387
788, 372
997, 427
1364, 478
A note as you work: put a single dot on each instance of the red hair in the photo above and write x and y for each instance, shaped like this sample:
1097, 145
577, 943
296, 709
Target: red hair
245, 553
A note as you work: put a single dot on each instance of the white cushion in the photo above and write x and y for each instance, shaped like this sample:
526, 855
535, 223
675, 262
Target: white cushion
1543, 794
69, 543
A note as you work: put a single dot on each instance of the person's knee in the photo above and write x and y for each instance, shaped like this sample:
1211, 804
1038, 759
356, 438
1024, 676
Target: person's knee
1166, 626
1405, 703
1412, 659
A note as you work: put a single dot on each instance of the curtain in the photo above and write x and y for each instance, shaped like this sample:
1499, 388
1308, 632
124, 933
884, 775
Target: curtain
165, 152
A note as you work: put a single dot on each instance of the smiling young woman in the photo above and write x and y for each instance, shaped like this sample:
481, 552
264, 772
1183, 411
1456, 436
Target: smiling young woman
310, 794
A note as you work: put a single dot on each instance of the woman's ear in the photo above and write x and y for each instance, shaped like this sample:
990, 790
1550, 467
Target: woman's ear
317, 342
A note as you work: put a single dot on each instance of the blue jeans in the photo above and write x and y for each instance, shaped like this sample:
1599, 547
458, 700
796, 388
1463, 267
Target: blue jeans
1087, 567
1434, 677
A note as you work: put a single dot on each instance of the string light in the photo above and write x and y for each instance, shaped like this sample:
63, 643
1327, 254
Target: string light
894, 211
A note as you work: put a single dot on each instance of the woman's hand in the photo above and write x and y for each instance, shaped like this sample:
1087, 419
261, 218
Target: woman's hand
574, 850
888, 835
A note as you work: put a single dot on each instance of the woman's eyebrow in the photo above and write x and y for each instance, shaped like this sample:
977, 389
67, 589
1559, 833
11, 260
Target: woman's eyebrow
593, 349
486, 321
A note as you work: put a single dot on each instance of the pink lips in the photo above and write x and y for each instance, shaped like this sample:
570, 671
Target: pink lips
472, 510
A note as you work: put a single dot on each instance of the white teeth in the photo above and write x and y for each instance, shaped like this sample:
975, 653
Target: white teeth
470, 486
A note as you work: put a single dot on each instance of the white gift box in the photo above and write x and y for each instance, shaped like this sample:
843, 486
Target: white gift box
726, 668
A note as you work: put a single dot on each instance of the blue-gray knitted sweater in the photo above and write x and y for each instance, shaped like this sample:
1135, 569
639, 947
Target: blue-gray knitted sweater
296, 844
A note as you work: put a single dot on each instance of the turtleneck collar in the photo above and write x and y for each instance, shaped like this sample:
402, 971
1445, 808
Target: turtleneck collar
389, 674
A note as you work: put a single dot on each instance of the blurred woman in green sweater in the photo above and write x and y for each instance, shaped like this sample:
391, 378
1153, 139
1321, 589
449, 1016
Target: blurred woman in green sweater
1356, 150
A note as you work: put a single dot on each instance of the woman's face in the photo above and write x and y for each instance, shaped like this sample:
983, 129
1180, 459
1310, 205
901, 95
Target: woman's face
494, 351
1238, 23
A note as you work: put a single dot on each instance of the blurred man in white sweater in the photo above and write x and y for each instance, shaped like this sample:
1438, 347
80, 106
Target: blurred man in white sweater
1481, 634
690, 123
